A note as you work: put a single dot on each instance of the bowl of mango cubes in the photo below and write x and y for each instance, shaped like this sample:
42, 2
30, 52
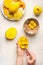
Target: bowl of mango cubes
31, 26
13, 9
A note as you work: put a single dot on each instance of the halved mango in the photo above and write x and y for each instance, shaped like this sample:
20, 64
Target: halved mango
23, 42
11, 33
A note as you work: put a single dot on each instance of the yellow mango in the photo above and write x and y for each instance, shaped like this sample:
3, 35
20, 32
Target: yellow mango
6, 12
33, 23
10, 16
7, 2
22, 4
11, 33
14, 6
23, 42
18, 15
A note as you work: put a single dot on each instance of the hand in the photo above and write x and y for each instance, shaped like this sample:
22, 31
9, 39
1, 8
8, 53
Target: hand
20, 52
30, 58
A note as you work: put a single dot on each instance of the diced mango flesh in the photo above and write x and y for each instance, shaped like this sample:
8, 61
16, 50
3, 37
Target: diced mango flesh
32, 25
23, 42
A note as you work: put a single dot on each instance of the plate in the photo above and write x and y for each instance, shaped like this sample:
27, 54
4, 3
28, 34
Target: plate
5, 15
27, 28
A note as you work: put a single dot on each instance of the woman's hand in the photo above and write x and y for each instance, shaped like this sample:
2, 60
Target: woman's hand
20, 52
30, 58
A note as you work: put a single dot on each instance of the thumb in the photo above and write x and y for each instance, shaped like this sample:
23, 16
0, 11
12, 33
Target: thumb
28, 53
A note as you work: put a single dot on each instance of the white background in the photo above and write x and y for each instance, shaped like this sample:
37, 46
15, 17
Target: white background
8, 48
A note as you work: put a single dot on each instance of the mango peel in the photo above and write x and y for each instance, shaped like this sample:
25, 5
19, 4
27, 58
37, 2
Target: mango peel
11, 33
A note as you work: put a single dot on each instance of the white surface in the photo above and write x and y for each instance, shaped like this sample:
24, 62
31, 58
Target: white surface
8, 48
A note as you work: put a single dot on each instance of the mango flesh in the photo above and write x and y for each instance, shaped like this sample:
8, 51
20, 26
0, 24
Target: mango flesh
32, 25
13, 7
6, 12
17, 0
23, 42
11, 33
7, 2
22, 4
18, 15
10, 16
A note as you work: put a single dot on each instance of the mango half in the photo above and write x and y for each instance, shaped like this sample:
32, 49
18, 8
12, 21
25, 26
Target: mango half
11, 33
23, 42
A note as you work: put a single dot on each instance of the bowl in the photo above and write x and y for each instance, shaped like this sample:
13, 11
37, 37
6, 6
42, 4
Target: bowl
29, 30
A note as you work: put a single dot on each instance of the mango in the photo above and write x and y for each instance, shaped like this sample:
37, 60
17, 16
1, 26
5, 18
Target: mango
11, 33
23, 42
14, 6
18, 15
7, 2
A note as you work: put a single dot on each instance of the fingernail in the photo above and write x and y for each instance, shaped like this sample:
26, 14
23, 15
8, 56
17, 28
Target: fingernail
27, 54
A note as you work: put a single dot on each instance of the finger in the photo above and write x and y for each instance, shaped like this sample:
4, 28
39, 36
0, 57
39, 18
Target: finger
30, 57
17, 45
33, 63
27, 53
30, 61
31, 54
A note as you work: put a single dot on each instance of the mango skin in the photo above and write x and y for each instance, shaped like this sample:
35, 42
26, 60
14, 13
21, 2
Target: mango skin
11, 33
37, 10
